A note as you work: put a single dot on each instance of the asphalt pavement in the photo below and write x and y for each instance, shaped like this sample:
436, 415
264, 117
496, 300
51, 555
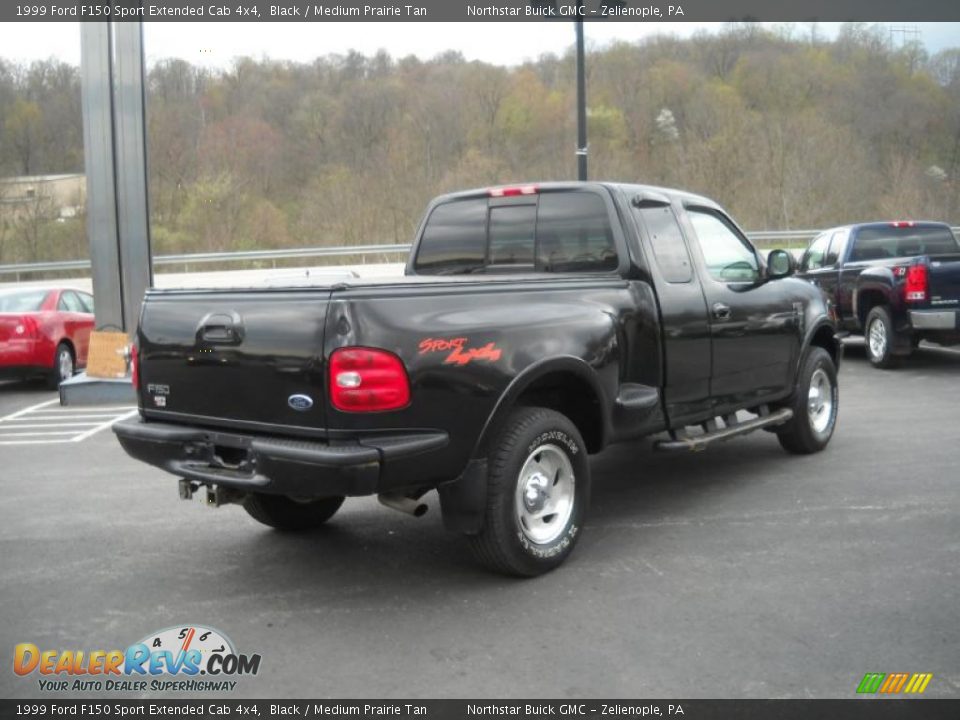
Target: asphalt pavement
738, 572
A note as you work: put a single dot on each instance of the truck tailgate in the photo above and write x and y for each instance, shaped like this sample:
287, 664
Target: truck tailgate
242, 359
944, 280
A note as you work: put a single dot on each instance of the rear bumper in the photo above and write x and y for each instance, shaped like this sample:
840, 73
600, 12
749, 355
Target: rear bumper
257, 463
939, 326
935, 319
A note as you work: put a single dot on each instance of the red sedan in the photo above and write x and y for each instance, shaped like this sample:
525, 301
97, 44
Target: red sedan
44, 331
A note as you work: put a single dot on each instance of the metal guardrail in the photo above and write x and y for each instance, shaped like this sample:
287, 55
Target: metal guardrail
201, 258
187, 259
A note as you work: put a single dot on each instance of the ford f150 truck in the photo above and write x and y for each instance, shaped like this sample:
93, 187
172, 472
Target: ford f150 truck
897, 283
535, 325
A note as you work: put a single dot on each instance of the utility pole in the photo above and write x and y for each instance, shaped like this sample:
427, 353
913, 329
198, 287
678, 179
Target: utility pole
581, 99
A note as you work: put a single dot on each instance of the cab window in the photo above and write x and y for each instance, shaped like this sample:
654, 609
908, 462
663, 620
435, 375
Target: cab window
566, 231
667, 243
815, 256
728, 256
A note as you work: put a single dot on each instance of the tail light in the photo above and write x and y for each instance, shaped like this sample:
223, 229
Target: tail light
367, 380
26, 329
915, 286
135, 366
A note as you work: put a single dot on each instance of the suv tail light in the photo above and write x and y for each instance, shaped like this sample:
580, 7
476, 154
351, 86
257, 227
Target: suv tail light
135, 366
915, 287
367, 380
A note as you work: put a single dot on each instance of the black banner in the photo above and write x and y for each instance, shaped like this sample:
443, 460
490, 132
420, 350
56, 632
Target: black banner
856, 709
484, 10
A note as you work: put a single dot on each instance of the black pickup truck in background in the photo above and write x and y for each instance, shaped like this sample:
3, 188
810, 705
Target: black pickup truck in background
536, 325
896, 283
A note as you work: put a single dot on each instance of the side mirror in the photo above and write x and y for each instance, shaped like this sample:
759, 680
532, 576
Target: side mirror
780, 264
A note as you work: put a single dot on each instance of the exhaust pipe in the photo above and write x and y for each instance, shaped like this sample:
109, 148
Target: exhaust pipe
403, 504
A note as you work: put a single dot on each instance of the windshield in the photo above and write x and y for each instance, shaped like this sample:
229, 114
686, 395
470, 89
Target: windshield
19, 301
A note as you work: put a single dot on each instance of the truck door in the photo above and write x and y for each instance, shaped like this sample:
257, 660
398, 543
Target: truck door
683, 312
820, 265
754, 328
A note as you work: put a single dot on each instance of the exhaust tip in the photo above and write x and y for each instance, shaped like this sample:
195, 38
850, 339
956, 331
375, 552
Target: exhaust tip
403, 504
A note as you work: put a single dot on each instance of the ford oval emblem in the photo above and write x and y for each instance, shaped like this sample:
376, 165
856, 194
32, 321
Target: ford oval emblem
300, 402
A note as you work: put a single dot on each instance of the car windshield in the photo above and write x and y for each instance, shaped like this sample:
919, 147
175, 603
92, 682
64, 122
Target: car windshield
13, 301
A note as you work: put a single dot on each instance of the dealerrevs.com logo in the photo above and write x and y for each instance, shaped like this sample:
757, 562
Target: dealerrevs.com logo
191, 658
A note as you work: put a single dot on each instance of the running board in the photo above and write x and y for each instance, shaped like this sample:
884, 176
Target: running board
680, 441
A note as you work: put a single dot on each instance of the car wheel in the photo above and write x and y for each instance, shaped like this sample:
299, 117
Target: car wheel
815, 403
538, 493
283, 513
63, 366
879, 338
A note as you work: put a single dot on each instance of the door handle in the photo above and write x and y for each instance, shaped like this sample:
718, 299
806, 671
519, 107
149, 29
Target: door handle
721, 311
220, 329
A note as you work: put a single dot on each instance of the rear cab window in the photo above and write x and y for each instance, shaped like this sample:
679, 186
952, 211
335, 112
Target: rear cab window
902, 240
549, 231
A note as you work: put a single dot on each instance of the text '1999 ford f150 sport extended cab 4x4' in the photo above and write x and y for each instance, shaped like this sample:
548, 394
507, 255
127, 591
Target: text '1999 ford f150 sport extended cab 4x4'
536, 324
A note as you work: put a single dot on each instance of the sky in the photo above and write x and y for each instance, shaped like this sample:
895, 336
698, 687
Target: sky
215, 45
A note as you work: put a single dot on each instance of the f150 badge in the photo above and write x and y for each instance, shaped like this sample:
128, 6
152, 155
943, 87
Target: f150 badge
459, 353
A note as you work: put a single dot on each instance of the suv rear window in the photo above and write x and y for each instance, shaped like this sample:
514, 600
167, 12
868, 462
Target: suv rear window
551, 232
877, 243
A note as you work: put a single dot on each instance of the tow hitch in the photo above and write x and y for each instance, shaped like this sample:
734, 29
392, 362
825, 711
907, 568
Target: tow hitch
217, 495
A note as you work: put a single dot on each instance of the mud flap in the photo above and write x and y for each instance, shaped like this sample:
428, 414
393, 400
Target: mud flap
464, 500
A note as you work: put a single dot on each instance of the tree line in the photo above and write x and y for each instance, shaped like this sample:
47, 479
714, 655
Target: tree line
785, 129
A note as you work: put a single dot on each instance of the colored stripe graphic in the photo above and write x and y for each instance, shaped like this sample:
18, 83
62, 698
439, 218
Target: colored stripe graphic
870, 683
894, 683
918, 683
914, 684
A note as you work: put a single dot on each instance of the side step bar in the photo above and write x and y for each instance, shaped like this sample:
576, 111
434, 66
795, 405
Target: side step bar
680, 441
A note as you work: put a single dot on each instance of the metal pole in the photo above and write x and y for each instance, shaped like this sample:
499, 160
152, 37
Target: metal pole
131, 154
581, 99
96, 72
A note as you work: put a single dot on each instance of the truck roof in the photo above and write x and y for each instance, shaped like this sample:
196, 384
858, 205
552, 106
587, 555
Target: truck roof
888, 223
627, 188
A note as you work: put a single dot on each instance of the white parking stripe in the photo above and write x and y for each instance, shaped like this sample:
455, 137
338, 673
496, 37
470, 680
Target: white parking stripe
38, 434
86, 409
29, 409
104, 426
43, 424
16, 424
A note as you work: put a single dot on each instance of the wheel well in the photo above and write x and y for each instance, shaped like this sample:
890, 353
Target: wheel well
868, 300
824, 338
570, 395
70, 347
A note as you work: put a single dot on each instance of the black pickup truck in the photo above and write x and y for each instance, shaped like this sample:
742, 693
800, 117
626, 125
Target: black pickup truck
536, 325
897, 283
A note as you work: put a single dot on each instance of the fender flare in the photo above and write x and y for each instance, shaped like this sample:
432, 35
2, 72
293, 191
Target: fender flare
565, 363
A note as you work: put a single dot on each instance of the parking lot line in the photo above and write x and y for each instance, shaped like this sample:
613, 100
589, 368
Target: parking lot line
104, 426
29, 409
43, 424
16, 424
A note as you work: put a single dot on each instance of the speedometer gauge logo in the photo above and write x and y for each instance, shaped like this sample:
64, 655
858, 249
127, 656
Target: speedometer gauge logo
181, 640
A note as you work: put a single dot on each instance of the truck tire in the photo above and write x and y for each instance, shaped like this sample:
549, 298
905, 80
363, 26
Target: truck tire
284, 513
538, 494
815, 403
878, 337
